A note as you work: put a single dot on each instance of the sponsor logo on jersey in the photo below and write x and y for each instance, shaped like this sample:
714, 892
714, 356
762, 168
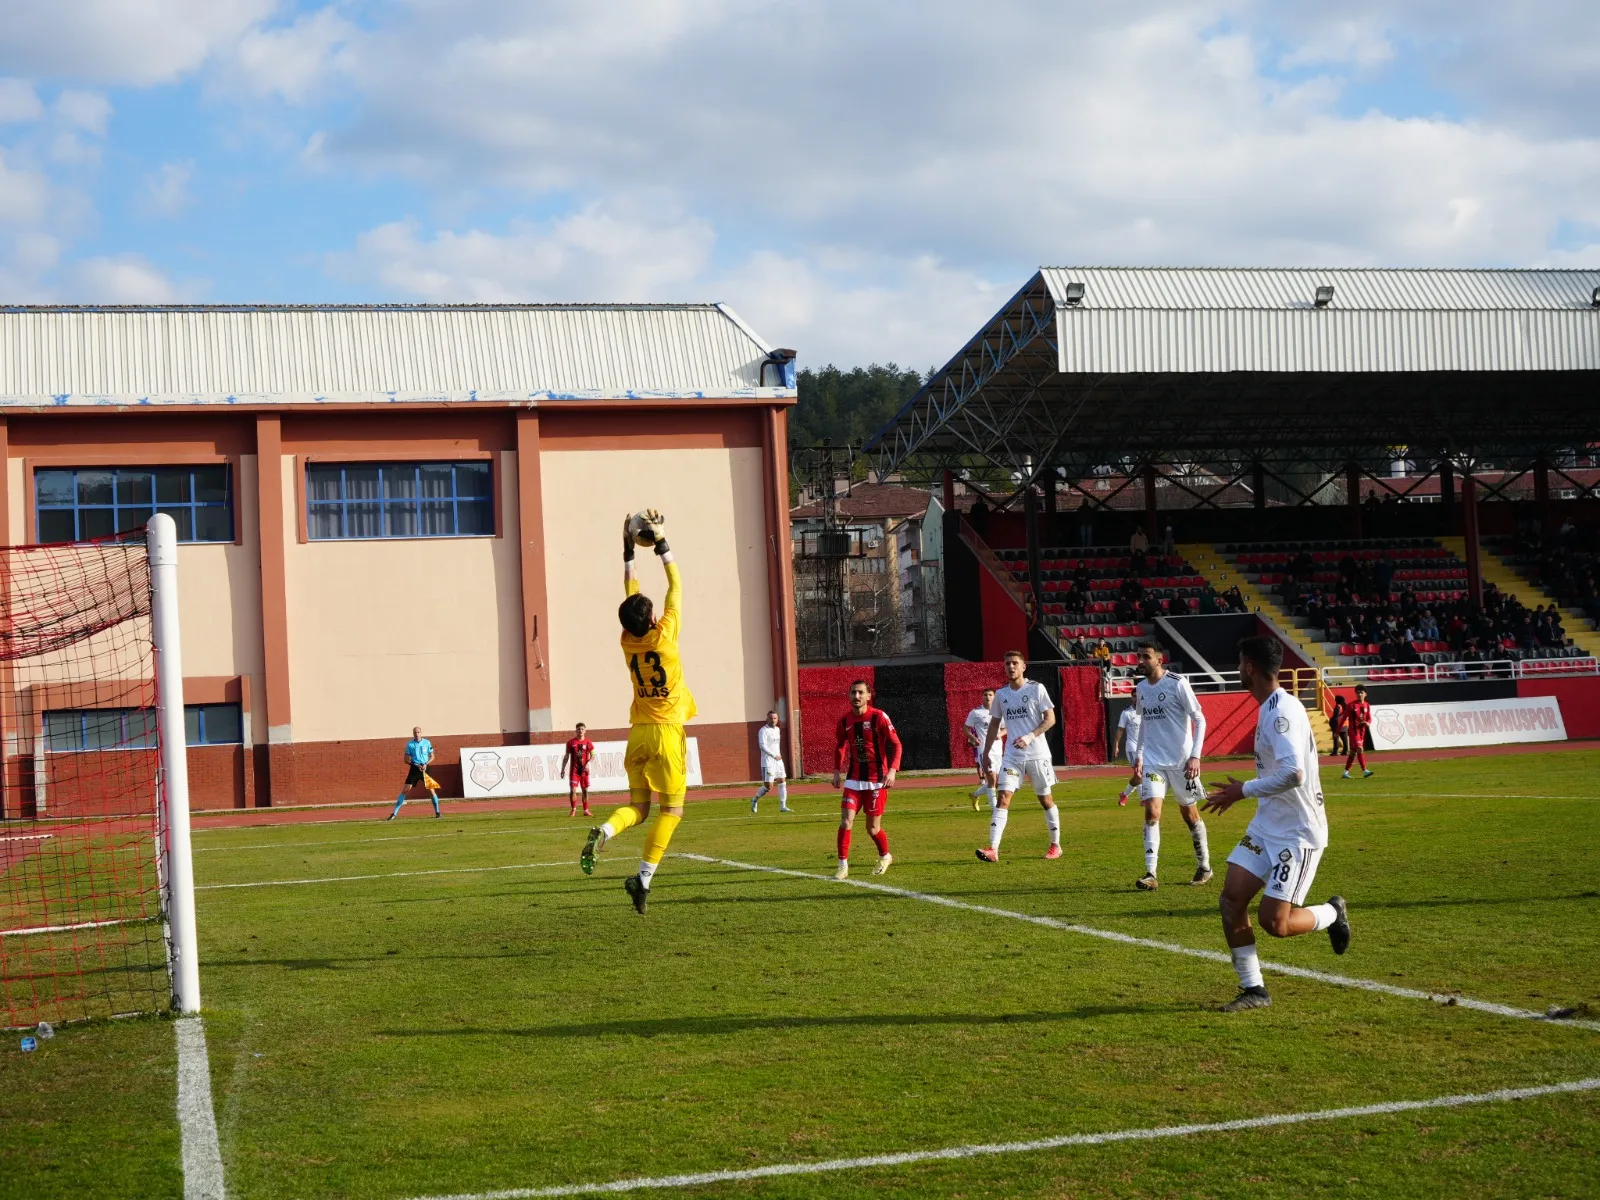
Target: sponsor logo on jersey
1281, 724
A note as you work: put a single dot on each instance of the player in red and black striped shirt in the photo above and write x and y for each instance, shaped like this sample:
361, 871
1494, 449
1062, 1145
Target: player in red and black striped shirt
575, 764
868, 757
1360, 717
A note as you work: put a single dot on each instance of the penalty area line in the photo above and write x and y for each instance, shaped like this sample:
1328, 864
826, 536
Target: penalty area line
911, 1157
1349, 981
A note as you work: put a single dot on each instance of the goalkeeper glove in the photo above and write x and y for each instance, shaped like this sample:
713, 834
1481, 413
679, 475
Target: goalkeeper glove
627, 540
656, 525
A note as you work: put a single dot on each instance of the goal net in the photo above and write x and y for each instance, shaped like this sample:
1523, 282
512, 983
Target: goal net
84, 835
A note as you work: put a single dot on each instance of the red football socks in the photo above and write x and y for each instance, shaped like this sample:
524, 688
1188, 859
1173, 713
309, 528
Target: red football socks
844, 842
881, 840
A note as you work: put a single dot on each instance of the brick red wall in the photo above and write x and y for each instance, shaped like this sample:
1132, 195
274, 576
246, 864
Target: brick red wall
216, 777
98, 783
336, 772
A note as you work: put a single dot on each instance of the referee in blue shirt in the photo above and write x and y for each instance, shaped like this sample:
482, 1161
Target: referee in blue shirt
419, 753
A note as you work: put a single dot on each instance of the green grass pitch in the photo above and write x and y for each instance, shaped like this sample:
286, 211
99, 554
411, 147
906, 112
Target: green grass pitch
472, 1030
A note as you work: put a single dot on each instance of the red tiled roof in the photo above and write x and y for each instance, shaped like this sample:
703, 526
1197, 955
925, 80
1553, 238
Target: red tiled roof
870, 501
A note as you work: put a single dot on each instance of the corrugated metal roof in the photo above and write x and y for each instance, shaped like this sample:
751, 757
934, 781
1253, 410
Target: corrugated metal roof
1288, 288
1153, 320
240, 353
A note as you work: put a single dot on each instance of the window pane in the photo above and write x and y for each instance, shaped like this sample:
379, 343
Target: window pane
139, 728
53, 487
224, 725
438, 518
361, 483
172, 485
323, 521
94, 487
399, 482
185, 521
95, 523
57, 525
472, 479
131, 518
102, 728
400, 519
475, 516
322, 483
63, 731
436, 481
213, 524
363, 521
210, 485
191, 724
133, 487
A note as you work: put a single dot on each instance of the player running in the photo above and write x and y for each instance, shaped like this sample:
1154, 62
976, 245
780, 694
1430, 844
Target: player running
575, 762
868, 757
1024, 708
1360, 716
1286, 837
419, 753
1172, 735
988, 763
1128, 725
769, 740
657, 757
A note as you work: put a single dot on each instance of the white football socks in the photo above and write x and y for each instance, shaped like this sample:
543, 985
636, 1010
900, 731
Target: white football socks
1202, 852
1247, 966
1152, 847
764, 790
646, 871
997, 826
1323, 914
783, 793
607, 832
994, 798
1052, 822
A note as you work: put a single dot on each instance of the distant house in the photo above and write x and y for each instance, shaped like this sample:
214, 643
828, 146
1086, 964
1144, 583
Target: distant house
869, 583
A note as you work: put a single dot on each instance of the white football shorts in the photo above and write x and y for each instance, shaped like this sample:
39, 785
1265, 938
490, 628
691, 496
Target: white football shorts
772, 772
1287, 868
1153, 785
996, 752
1017, 769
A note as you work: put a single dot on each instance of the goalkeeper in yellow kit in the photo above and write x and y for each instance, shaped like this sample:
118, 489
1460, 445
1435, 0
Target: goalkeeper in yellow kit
658, 751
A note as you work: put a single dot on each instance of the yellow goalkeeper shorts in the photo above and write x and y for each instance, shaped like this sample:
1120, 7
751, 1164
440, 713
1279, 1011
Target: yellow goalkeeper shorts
658, 759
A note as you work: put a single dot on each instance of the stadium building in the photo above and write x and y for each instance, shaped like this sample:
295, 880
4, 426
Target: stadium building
409, 516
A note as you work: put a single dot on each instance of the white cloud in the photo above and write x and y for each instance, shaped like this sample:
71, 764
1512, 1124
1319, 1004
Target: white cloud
164, 192
138, 42
293, 62
18, 102
120, 279
88, 111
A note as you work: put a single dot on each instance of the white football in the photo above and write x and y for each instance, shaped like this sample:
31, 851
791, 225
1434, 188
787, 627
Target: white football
639, 529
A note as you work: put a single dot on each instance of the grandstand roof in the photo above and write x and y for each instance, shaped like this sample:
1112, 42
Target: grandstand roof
280, 353
871, 502
1092, 364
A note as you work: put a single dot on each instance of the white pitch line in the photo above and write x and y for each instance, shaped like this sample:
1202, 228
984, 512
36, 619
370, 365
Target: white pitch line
30, 930
910, 1157
197, 1122
207, 887
1366, 985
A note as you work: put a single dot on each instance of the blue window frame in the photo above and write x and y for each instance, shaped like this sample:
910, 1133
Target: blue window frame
75, 504
75, 729
399, 500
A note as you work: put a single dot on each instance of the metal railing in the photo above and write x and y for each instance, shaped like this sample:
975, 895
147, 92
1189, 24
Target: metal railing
1311, 684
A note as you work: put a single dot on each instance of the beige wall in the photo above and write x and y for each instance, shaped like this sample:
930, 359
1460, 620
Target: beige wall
716, 526
384, 635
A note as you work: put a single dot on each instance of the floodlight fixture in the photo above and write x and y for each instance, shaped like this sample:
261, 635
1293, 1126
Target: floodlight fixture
1594, 298
1074, 294
1324, 295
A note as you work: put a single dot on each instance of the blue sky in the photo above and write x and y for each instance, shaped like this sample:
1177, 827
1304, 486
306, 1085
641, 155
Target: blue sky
865, 183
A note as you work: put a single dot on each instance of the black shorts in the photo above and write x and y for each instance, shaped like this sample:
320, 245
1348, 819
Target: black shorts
414, 775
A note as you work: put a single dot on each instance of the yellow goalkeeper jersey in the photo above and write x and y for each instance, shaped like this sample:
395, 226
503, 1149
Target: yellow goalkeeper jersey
660, 696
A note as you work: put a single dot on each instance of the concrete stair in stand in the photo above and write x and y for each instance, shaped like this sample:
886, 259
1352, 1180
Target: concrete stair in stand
1509, 580
1222, 575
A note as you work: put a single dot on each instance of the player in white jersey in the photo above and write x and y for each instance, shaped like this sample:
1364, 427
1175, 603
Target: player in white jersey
1025, 710
988, 763
1285, 839
769, 741
1127, 745
1172, 736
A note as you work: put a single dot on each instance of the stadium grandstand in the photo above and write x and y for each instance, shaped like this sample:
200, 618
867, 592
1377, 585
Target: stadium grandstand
1395, 472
